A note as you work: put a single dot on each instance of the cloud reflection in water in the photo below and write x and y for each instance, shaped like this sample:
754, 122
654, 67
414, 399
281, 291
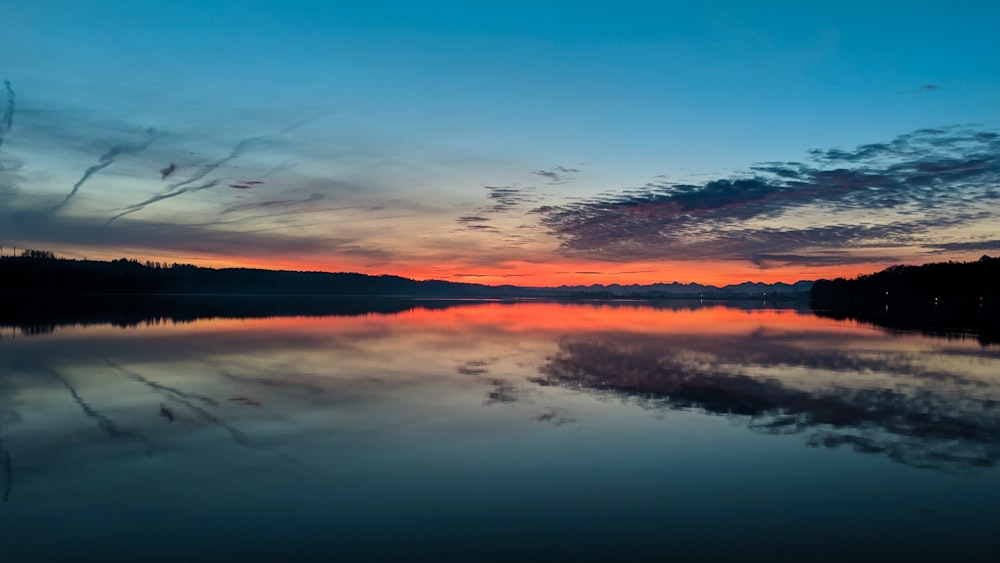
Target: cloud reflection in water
891, 402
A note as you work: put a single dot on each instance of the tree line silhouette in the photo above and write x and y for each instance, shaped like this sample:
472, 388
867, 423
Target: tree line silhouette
37, 271
944, 297
951, 282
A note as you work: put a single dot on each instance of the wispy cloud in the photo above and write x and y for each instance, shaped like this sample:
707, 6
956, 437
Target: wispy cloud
503, 199
923, 88
918, 182
167, 170
507, 198
557, 175
184, 186
238, 150
990, 245
107, 159
154, 238
160, 197
273, 204
472, 219
8, 175
7, 119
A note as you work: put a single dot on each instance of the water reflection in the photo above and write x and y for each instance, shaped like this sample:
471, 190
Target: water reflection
920, 406
489, 421
105, 423
916, 400
8, 473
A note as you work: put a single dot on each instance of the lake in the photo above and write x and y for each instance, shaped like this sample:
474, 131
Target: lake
499, 431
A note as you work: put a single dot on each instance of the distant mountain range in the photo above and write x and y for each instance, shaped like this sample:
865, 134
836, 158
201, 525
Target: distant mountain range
41, 272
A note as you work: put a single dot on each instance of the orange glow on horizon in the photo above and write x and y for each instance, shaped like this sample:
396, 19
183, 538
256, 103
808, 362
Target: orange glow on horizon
552, 273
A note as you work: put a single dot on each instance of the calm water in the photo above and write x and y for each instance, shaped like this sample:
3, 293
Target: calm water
499, 431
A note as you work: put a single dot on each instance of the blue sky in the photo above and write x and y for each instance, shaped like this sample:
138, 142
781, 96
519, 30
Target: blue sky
504, 142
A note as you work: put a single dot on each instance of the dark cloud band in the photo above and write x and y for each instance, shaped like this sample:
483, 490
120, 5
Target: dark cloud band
919, 182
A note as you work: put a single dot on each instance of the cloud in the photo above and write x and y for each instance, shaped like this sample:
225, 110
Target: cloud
156, 238
153, 169
157, 198
980, 245
556, 175
487, 275
107, 159
917, 183
484, 228
506, 198
184, 186
472, 219
7, 119
238, 150
273, 204
247, 185
167, 170
923, 88
606, 273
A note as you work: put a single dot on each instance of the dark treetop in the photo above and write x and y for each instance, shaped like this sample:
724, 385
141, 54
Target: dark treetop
944, 297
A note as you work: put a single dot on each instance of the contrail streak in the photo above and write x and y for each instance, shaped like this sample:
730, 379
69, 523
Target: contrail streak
7, 121
238, 150
278, 203
142, 204
178, 188
86, 176
106, 160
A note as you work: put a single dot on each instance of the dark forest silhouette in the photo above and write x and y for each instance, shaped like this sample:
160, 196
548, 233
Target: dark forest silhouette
939, 298
950, 282
41, 272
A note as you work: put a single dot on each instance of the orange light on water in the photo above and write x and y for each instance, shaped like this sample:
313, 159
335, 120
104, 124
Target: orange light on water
526, 317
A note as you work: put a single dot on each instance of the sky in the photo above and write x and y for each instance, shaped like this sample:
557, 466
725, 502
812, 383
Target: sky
530, 143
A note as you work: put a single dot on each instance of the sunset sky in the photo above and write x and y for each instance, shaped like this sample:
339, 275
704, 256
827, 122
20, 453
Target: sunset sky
532, 143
